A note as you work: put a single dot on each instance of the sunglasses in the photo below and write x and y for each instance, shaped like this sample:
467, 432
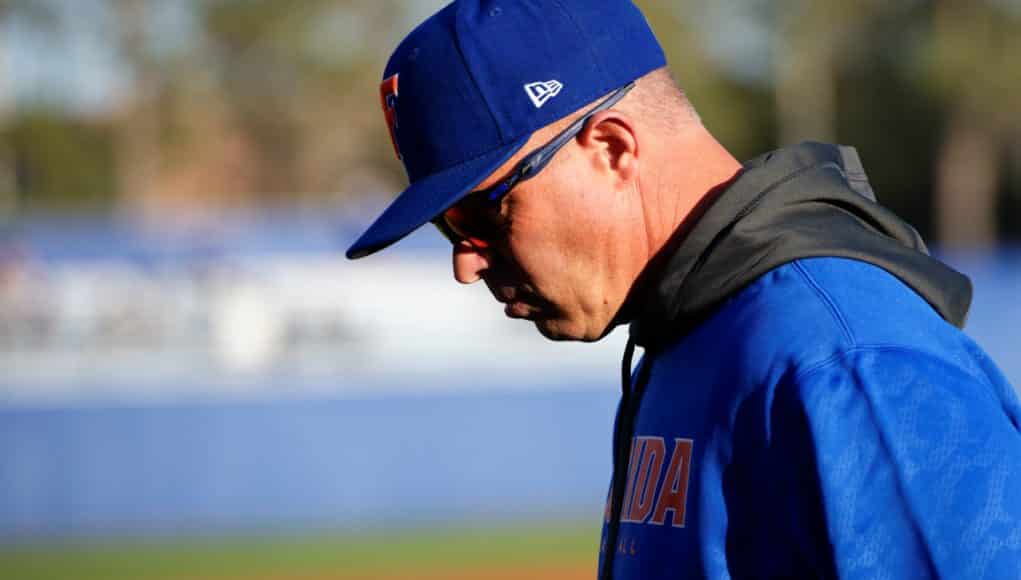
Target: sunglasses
477, 218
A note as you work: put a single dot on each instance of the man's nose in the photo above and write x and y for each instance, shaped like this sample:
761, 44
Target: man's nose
469, 263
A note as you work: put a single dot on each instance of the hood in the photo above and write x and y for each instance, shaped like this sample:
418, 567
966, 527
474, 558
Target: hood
810, 200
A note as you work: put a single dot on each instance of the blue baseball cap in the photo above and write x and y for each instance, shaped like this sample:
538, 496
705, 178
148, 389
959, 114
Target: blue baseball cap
466, 90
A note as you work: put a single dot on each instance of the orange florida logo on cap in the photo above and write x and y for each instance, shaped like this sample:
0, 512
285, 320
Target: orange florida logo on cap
388, 94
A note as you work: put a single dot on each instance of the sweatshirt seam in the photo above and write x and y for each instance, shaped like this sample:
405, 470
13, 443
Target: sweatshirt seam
884, 438
827, 301
804, 371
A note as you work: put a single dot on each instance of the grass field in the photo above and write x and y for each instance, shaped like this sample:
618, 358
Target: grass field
534, 552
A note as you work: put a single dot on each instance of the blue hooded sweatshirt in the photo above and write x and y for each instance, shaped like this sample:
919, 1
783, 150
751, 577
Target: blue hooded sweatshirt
807, 405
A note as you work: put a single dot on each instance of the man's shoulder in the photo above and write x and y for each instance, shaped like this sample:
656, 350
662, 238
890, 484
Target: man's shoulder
811, 309
871, 305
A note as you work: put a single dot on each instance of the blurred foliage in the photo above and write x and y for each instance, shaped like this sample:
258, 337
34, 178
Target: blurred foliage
294, 77
971, 56
738, 113
61, 161
267, 102
886, 111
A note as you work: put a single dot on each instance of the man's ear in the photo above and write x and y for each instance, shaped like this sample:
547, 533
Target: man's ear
612, 139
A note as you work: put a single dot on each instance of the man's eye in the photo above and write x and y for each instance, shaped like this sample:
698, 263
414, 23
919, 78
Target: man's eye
501, 220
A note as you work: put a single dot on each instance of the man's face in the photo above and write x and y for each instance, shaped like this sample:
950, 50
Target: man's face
558, 260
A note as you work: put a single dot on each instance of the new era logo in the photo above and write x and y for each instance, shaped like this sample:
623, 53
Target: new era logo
542, 92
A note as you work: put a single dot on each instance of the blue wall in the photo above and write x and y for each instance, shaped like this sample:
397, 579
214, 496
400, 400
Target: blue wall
333, 463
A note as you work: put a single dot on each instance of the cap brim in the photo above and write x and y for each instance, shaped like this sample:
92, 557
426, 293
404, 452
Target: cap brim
428, 198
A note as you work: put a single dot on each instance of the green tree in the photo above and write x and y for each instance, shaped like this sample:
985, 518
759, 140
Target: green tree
38, 16
970, 58
299, 79
137, 126
63, 162
813, 42
738, 112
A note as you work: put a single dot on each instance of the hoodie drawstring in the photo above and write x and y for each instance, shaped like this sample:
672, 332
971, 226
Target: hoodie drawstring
622, 433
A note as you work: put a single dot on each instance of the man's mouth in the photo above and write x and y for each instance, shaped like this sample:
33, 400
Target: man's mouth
518, 309
521, 303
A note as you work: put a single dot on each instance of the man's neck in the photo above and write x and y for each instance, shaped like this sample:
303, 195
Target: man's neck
686, 174
687, 169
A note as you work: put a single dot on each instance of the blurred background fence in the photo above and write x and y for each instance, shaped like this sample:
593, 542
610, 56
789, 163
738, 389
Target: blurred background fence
185, 350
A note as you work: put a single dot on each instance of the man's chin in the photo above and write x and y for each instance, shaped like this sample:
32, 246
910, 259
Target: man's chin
561, 331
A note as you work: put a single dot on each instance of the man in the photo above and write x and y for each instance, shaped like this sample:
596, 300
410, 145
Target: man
806, 405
